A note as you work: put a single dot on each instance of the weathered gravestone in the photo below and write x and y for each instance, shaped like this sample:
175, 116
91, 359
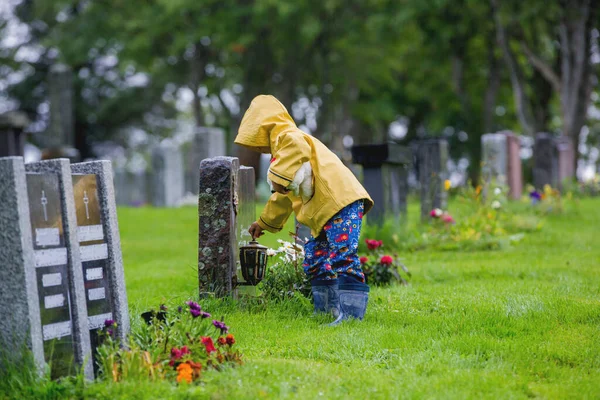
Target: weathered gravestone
167, 175
385, 177
566, 153
60, 136
431, 159
206, 143
502, 162
100, 245
217, 226
57, 257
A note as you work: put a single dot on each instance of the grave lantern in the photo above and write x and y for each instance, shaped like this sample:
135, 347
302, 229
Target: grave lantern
253, 261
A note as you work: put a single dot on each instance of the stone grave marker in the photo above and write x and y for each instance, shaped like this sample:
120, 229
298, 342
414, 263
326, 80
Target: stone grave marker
57, 263
432, 156
246, 215
207, 142
545, 161
20, 323
217, 226
385, 177
100, 245
502, 162
167, 175
12, 137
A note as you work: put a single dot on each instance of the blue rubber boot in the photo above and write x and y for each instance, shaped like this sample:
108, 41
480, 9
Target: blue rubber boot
326, 300
353, 302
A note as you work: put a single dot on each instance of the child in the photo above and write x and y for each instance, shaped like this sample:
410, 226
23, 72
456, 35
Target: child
333, 212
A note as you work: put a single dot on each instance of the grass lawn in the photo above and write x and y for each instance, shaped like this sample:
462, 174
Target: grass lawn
524, 322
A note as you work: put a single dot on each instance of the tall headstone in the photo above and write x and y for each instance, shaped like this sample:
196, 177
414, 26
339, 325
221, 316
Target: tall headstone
61, 291
502, 162
12, 137
432, 157
207, 142
217, 226
245, 217
385, 177
545, 161
566, 155
20, 322
167, 175
100, 245
60, 137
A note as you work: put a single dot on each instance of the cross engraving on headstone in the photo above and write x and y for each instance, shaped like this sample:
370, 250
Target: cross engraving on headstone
44, 204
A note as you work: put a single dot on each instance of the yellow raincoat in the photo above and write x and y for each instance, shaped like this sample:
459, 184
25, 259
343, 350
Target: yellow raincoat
267, 127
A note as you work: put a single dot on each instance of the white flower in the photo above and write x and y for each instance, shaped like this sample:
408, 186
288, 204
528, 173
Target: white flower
271, 252
496, 204
497, 191
438, 212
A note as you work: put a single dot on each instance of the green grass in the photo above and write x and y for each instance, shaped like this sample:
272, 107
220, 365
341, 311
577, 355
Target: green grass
524, 322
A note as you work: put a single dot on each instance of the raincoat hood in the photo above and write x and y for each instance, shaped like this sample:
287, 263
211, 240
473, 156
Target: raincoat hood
264, 120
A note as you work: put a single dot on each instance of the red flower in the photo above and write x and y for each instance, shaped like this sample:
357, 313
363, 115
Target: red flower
386, 260
364, 260
222, 341
230, 339
208, 343
373, 244
447, 218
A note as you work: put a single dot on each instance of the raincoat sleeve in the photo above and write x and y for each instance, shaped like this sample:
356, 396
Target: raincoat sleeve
292, 151
276, 213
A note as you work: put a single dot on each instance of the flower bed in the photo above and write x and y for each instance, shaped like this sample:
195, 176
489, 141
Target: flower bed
172, 345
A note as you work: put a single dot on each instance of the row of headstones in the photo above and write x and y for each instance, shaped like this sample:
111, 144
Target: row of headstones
173, 171
61, 269
501, 161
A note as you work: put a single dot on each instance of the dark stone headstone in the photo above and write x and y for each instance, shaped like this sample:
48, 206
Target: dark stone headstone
217, 211
245, 217
432, 157
545, 161
385, 177
12, 137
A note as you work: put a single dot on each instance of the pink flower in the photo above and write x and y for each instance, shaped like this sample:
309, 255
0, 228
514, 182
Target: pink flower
447, 218
436, 213
386, 260
364, 260
373, 244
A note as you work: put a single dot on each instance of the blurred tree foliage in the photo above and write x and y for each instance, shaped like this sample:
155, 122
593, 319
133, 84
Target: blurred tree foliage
440, 64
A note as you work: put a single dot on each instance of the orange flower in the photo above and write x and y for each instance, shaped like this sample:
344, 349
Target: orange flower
478, 190
230, 339
184, 373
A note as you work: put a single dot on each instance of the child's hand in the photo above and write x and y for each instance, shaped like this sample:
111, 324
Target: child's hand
279, 188
255, 230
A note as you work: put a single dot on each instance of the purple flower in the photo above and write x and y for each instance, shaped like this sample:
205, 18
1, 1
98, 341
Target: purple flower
195, 313
205, 315
194, 306
179, 309
109, 322
535, 195
110, 332
221, 325
163, 307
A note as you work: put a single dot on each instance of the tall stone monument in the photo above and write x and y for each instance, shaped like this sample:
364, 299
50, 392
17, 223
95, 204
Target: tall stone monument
432, 157
167, 175
60, 136
502, 162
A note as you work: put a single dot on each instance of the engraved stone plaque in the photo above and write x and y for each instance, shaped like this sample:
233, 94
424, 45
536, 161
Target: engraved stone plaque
51, 270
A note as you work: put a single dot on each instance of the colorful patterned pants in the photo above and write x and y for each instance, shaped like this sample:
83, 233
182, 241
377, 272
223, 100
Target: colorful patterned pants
333, 253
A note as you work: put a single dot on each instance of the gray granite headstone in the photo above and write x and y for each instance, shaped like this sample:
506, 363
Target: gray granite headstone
20, 322
432, 156
206, 143
12, 137
60, 136
545, 161
61, 291
217, 227
245, 217
167, 175
100, 245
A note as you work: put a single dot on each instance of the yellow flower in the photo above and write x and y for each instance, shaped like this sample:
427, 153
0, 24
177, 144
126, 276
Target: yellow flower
447, 184
547, 189
478, 190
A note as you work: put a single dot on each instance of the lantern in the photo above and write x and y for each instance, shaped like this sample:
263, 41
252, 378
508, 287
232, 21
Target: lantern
253, 261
